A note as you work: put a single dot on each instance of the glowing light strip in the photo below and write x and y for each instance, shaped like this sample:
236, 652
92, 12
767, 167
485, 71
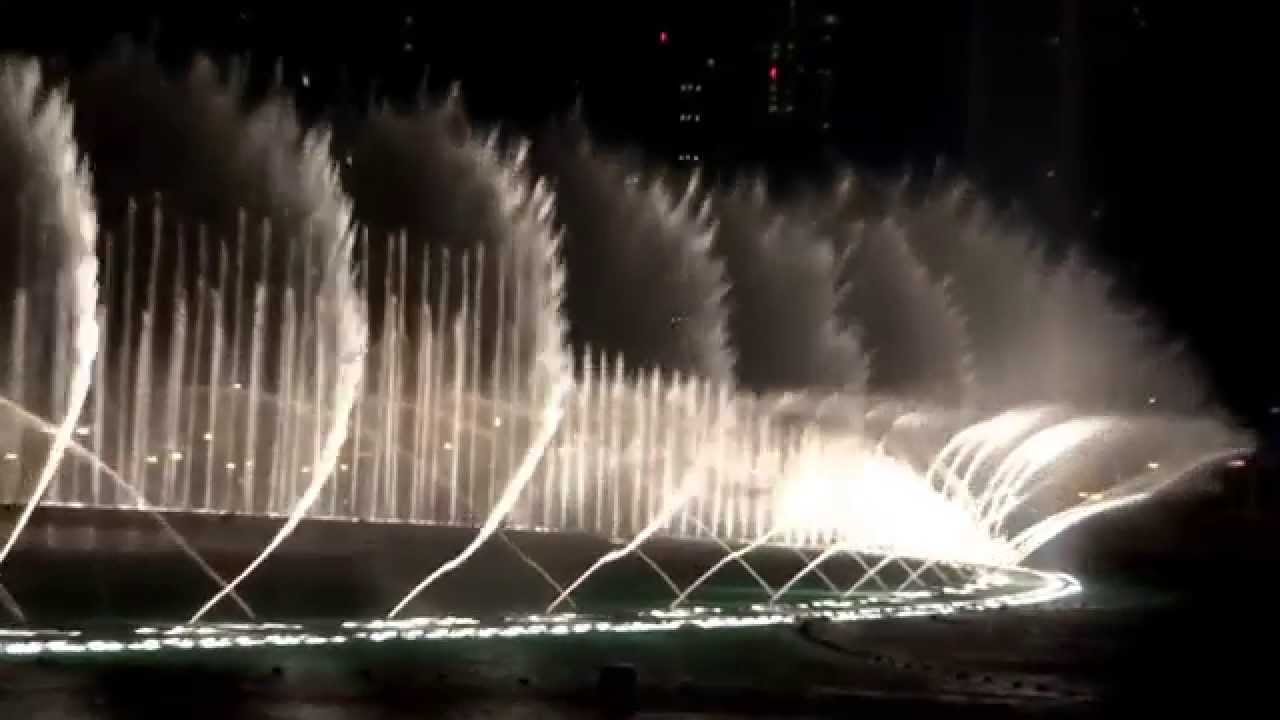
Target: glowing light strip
1047, 587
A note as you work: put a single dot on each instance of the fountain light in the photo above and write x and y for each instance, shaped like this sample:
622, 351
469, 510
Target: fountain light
975, 597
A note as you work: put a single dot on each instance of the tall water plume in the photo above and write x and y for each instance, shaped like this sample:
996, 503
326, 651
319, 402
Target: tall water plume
638, 244
534, 250
921, 347
341, 331
1044, 327
784, 298
43, 172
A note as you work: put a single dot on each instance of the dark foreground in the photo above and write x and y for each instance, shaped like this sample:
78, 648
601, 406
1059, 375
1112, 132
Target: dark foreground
1163, 642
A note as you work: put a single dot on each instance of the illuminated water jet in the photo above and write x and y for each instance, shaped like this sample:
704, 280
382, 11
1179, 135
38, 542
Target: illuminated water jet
136, 499
348, 335
62, 182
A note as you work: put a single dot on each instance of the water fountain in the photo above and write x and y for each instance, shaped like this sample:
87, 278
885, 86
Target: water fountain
245, 373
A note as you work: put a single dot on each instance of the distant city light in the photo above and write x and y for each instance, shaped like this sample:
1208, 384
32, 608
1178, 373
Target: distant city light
306, 83
663, 38
1236, 463
773, 72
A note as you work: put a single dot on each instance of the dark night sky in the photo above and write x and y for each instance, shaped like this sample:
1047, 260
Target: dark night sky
1147, 147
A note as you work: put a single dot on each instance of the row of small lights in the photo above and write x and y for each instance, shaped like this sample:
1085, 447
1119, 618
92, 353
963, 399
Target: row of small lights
177, 455
1053, 586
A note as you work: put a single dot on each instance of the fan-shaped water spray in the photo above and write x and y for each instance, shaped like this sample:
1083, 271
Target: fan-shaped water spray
54, 184
644, 243
341, 341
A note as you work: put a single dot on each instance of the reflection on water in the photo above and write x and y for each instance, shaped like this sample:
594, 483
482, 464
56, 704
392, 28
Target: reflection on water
98, 701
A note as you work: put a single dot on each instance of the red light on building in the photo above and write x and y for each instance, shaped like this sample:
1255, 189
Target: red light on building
773, 72
663, 38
